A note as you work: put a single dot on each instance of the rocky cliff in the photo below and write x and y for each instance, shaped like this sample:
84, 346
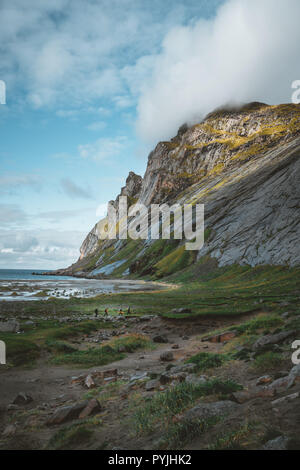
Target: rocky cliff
244, 166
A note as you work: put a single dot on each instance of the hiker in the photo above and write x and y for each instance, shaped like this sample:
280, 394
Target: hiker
121, 312
96, 312
106, 312
128, 311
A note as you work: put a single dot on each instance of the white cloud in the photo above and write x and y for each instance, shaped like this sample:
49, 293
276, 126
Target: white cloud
58, 51
96, 126
103, 148
249, 51
73, 190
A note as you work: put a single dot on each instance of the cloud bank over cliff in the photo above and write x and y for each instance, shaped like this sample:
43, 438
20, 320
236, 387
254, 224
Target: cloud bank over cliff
248, 51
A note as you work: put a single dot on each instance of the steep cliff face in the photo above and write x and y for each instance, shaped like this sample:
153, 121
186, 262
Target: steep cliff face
244, 165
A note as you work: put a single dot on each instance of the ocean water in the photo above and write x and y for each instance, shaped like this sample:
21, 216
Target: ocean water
26, 275
21, 284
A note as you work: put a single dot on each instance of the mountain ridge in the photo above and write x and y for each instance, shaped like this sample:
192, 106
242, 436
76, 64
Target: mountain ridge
242, 164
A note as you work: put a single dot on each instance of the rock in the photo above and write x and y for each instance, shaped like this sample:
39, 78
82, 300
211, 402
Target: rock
181, 310
152, 385
195, 380
11, 326
175, 346
166, 356
279, 384
280, 443
22, 399
67, 413
286, 399
185, 338
189, 368
285, 315
221, 338
139, 376
9, 431
160, 339
12, 407
294, 376
251, 394
92, 407
266, 379
209, 410
89, 382
172, 376
268, 340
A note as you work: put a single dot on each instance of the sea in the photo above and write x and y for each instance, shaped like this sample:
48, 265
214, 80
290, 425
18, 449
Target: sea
22, 284
27, 275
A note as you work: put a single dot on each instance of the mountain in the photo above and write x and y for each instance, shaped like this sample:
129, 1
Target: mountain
243, 164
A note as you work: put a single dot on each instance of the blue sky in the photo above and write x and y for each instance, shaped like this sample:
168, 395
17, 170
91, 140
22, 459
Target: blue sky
93, 85
68, 136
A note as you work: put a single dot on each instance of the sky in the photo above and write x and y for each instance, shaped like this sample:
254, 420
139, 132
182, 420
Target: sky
93, 85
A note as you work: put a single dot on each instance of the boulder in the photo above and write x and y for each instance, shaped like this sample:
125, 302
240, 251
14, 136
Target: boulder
22, 399
266, 341
280, 443
160, 339
181, 310
11, 326
221, 338
67, 413
265, 380
294, 376
152, 385
89, 382
251, 394
91, 408
286, 399
9, 431
167, 356
209, 410
195, 380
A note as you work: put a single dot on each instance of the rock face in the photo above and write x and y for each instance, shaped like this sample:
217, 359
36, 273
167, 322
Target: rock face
243, 165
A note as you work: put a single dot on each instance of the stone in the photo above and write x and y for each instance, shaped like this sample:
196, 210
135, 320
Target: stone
286, 399
22, 399
175, 346
195, 380
166, 356
89, 382
160, 339
209, 410
266, 379
152, 385
294, 376
268, 340
66, 413
279, 384
251, 394
11, 326
280, 443
9, 431
221, 338
170, 376
91, 408
181, 310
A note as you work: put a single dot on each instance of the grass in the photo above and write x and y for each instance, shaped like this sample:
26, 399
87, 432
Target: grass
267, 361
110, 352
235, 440
205, 360
70, 437
180, 434
19, 351
162, 406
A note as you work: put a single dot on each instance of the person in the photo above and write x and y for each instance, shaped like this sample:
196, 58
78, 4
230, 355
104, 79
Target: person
128, 311
96, 312
121, 312
106, 312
